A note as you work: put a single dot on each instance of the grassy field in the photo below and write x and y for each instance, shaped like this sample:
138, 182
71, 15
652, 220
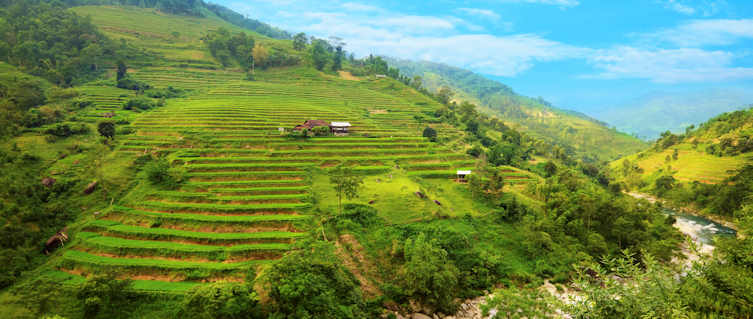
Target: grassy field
692, 164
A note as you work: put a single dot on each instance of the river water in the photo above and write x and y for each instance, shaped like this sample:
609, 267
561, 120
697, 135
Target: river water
700, 229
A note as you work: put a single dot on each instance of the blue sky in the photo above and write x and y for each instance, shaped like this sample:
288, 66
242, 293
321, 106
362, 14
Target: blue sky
580, 54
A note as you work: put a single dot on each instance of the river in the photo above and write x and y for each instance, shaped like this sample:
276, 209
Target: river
701, 230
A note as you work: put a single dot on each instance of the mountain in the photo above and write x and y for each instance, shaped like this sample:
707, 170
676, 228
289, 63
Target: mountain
708, 153
652, 114
581, 135
153, 165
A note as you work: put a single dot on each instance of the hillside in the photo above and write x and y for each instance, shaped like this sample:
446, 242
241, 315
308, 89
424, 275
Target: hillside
168, 164
580, 135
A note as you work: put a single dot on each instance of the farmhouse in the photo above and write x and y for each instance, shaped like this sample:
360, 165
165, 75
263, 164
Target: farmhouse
310, 124
462, 176
340, 127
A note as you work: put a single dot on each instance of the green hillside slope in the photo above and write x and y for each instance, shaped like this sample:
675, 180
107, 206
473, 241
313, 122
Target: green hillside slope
580, 135
187, 193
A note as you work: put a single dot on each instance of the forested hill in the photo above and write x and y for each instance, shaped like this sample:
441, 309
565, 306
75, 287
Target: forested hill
708, 165
197, 8
579, 134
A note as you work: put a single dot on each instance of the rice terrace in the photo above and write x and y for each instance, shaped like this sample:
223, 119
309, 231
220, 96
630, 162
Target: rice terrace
179, 159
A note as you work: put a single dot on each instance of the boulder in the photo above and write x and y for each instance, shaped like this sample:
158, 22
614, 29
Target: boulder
90, 188
419, 316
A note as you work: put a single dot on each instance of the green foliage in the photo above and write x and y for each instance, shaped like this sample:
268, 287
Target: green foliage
222, 301
321, 131
312, 283
64, 130
129, 83
159, 172
106, 129
103, 296
521, 303
300, 41
346, 183
319, 53
227, 48
122, 70
166, 93
139, 103
430, 133
652, 291
46, 40
428, 274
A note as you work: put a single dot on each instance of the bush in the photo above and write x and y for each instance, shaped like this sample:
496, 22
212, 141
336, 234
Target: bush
222, 301
312, 283
158, 172
139, 103
321, 131
130, 84
106, 129
168, 93
67, 129
430, 133
475, 151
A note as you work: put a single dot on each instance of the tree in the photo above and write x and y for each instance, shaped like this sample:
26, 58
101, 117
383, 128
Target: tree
312, 283
444, 95
430, 133
428, 274
664, 184
103, 294
550, 169
106, 129
260, 55
122, 70
319, 54
345, 183
300, 41
222, 301
337, 59
417, 82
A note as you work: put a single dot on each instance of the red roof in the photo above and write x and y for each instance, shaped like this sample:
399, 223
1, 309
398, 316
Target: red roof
312, 124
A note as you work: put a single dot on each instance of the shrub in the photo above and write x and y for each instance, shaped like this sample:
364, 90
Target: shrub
475, 151
139, 103
168, 93
106, 129
130, 84
321, 131
430, 133
222, 301
103, 295
67, 129
312, 283
158, 172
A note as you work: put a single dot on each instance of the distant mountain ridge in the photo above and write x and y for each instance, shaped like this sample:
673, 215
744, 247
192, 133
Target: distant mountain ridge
589, 138
652, 114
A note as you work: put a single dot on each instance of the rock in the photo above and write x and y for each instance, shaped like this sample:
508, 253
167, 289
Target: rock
48, 181
449, 317
372, 202
90, 188
419, 316
435, 316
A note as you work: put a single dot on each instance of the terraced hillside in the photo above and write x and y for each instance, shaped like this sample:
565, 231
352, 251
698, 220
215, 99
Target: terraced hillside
249, 191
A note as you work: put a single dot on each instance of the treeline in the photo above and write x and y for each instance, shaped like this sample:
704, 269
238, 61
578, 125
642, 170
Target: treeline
242, 50
238, 19
46, 40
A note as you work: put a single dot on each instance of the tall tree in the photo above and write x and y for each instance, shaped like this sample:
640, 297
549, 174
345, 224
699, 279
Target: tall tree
122, 70
319, 54
260, 55
300, 41
345, 183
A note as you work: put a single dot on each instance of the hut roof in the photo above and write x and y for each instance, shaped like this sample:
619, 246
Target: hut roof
464, 172
340, 124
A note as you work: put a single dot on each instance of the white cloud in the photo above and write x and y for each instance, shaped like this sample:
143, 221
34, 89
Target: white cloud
353, 6
418, 22
698, 33
678, 7
693, 7
668, 65
489, 14
502, 56
561, 3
